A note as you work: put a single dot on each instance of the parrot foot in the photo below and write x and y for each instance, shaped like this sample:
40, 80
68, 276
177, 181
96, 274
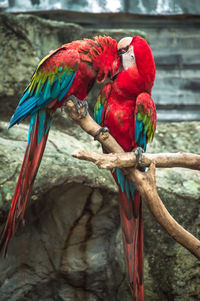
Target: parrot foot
79, 104
104, 129
138, 152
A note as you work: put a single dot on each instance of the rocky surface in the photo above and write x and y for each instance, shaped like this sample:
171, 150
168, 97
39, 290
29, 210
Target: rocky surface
70, 246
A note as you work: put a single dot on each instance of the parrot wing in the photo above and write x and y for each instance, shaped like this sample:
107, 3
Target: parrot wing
101, 103
145, 120
49, 84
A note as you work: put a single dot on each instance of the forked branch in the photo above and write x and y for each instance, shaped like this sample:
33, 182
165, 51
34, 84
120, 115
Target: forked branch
145, 183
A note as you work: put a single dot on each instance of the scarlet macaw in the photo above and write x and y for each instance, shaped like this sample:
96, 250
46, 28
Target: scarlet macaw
126, 108
68, 71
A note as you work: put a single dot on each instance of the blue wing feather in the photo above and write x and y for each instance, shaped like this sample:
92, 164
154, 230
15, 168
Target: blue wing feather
101, 100
140, 134
67, 84
51, 80
30, 105
46, 91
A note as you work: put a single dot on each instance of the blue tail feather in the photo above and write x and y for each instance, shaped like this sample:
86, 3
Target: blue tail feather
49, 124
41, 124
127, 188
23, 111
31, 126
132, 190
121, 179
125, 184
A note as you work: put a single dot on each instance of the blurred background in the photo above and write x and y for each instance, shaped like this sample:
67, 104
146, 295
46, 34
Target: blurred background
70, 247
171, 26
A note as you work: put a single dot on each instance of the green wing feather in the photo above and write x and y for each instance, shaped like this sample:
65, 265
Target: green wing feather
53, 76
101, 100
49, 84
145, 120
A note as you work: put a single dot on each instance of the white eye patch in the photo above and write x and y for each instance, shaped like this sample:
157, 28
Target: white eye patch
128, 58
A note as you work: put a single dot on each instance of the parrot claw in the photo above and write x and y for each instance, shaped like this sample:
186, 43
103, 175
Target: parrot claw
79, 104
101, 130
138, 152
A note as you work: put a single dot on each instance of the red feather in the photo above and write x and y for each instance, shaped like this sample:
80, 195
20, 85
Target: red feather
132, 235
30, 165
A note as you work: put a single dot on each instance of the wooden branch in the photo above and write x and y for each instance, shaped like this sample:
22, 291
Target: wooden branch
113, 160
91, 127
144, 182
146, 185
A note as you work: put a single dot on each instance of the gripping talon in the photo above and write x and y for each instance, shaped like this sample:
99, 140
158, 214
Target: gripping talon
84, 104
138, 152
79, 104
101, 130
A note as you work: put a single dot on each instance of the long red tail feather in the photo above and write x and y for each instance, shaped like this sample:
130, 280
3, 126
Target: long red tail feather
30, 165
132, 234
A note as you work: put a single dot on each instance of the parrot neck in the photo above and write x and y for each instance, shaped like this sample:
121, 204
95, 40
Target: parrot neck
144, 60
129, 83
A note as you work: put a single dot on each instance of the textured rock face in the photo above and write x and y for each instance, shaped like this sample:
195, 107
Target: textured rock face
70, 247
174, 271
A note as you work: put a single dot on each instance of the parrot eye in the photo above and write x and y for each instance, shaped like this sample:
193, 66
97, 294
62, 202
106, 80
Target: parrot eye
122, 50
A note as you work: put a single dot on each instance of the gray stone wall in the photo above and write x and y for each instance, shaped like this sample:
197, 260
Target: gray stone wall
137, 6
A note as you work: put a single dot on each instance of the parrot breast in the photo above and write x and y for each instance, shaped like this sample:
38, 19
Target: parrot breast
120, 116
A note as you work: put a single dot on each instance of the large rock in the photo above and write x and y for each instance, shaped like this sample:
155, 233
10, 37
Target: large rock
174, 272
70, 246
17, 60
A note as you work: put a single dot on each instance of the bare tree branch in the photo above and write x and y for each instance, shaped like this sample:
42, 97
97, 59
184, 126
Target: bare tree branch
145, 183
121, 160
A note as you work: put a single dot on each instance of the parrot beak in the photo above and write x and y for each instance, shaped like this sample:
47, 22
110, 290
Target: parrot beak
123, 43
116, 68
118, 71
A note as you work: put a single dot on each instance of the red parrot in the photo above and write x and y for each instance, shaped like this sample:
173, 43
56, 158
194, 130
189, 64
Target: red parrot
68, 71
126, 108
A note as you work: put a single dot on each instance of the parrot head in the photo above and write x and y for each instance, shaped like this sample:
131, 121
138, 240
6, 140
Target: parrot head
106, 61
136, 52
